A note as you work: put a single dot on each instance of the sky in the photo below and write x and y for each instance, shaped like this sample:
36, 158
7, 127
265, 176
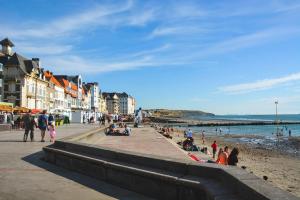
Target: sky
224, 57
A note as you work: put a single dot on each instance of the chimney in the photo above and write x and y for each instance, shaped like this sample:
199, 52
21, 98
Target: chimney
7, 46
37, 60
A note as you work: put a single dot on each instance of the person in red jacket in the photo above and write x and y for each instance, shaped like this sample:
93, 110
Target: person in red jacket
214, 147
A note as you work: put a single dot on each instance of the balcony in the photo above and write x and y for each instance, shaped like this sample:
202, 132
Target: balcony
30, 94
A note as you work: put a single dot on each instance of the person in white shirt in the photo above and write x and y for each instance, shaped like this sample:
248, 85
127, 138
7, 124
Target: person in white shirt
189, 134
127, 130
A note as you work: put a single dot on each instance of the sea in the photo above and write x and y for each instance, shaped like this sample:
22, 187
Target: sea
260, 130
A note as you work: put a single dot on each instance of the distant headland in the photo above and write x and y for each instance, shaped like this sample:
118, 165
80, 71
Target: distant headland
177, 113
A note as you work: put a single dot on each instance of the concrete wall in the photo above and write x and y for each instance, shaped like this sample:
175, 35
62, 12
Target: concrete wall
160, 177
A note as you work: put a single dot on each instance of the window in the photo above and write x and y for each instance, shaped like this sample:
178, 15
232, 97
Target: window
11, 87
1, 67
18, 88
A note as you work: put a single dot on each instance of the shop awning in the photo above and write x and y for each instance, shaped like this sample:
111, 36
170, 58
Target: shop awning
21, 109
6, 108
36, 111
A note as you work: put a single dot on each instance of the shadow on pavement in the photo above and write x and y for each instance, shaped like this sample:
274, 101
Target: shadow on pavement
11, 141
100, 186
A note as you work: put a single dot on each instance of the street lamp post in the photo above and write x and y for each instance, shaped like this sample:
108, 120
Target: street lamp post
277, 132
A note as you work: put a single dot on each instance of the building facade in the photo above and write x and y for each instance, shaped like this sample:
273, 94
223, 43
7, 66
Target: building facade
119, 103
112, 102
94, 89
24, 83
57, 96
102, 104
5, 54
127, 104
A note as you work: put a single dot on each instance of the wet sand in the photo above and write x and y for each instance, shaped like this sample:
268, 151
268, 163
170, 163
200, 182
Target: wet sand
282, 169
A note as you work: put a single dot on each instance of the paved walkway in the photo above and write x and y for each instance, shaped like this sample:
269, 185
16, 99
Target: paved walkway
24, 176
142, 140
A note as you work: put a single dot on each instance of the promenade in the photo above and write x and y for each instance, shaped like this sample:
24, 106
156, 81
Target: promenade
23, 175
144, 140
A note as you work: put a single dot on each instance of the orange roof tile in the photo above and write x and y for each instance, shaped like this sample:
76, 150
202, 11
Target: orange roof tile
74, 87
52, 79
66, 82
55, 82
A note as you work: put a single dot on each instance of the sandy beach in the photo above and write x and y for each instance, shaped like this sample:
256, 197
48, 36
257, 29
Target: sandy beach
282, 169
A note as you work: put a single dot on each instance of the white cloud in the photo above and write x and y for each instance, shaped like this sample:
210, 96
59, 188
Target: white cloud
105, 15
188, 10
176, 30
42, 49
285, 7
249, 40
150, 51
142, 18
260, 84
76, 64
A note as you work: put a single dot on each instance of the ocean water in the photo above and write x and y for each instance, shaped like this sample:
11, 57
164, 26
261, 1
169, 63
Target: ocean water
268, 131
282, 117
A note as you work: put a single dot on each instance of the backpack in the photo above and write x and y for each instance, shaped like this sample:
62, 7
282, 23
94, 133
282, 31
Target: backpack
42, 121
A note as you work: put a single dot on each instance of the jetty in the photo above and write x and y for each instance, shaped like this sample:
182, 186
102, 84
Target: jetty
212, 122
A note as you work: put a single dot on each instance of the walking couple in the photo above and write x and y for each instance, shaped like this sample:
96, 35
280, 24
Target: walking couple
43, 124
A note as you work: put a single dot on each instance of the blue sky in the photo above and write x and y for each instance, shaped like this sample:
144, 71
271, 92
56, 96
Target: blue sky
225, 57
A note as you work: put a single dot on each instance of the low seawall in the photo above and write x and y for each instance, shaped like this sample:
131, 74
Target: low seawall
160, 177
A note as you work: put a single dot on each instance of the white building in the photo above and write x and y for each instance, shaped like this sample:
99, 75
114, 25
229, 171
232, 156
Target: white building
94, 89
127, 104
73, 85
102, 104
119, 103
112, 102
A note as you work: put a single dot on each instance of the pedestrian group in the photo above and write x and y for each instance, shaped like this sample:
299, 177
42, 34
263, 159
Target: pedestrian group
44, 123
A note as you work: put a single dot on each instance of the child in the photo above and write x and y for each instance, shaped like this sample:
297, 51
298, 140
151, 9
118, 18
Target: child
214, 147
52, 132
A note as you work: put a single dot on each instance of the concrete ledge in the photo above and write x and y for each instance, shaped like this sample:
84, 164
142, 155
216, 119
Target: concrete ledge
160, 177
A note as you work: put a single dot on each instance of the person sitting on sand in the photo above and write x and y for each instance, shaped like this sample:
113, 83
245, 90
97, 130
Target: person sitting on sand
223, 157
219, 154
233, 157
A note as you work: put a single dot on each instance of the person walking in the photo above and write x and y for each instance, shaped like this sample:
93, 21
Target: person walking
29, 125
203, 137
43, 124
214, 147
52, 131
50, 118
